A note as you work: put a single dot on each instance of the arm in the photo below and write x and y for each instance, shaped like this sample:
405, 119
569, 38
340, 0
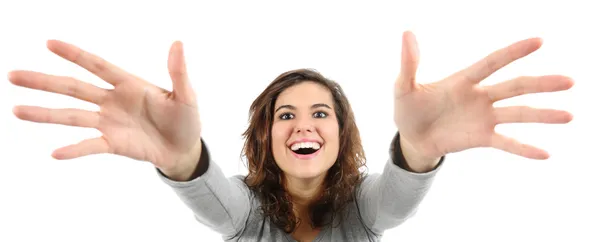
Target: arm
388, 199
220, 203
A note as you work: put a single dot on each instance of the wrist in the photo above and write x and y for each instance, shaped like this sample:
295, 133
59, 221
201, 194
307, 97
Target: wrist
417, 161
185, 165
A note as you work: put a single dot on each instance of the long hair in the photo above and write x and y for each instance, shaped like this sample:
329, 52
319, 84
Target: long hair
265, 177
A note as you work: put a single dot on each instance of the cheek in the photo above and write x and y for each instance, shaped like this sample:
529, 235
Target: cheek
279, 135
330, 133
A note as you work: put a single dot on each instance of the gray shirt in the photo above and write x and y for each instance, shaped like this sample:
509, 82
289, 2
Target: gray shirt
383, 201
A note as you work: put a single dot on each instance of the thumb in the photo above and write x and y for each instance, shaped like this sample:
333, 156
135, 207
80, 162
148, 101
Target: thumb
406, 81
182, 88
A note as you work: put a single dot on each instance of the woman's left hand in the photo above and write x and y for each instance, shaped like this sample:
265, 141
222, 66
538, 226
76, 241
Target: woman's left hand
457, 113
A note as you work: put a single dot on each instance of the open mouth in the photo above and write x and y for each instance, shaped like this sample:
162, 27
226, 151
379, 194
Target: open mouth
305, 148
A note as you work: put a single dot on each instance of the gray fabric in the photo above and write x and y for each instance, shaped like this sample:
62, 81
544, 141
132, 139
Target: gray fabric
226, 205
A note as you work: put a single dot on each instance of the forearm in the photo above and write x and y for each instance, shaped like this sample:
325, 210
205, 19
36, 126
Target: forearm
389, 199
221, 203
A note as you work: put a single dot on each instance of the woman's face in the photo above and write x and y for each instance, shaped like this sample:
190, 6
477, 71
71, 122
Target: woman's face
305, 132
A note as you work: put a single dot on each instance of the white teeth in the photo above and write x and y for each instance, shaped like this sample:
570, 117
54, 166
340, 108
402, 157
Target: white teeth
313, 145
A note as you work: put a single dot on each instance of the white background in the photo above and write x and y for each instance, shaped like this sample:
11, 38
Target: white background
235, 49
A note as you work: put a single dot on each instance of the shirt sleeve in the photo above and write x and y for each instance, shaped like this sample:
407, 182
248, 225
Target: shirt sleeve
385, 200
218, 202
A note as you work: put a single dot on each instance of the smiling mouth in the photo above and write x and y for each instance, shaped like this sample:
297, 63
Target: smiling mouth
305, 148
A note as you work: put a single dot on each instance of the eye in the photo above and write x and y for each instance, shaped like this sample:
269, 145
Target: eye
286, 116
320, 114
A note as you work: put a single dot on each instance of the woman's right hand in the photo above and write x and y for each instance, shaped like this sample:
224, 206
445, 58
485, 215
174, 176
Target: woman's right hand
137, 119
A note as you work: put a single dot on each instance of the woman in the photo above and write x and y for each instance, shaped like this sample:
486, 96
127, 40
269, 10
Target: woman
302, 144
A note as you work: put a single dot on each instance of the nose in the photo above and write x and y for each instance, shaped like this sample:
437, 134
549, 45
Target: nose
305, 128
304, 125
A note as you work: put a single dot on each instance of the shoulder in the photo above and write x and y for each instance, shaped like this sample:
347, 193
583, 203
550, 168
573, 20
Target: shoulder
238, 179
367, 179
240, 182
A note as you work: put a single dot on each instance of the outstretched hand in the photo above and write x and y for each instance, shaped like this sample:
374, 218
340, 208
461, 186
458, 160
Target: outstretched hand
137, 119
457, 113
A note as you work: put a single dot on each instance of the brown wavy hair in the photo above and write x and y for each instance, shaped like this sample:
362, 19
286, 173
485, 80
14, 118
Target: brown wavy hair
265, 178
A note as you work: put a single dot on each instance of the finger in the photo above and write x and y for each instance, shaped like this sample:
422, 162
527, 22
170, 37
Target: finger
58, 84
182, 88
500, 58
406, 81
94, 64
83, 148
524, 114
513, 146
527, 85
70, 117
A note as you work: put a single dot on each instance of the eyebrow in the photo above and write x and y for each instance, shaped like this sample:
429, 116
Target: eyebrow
318, 105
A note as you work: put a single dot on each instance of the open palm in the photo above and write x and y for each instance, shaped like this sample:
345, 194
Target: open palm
457, 113
136, 119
